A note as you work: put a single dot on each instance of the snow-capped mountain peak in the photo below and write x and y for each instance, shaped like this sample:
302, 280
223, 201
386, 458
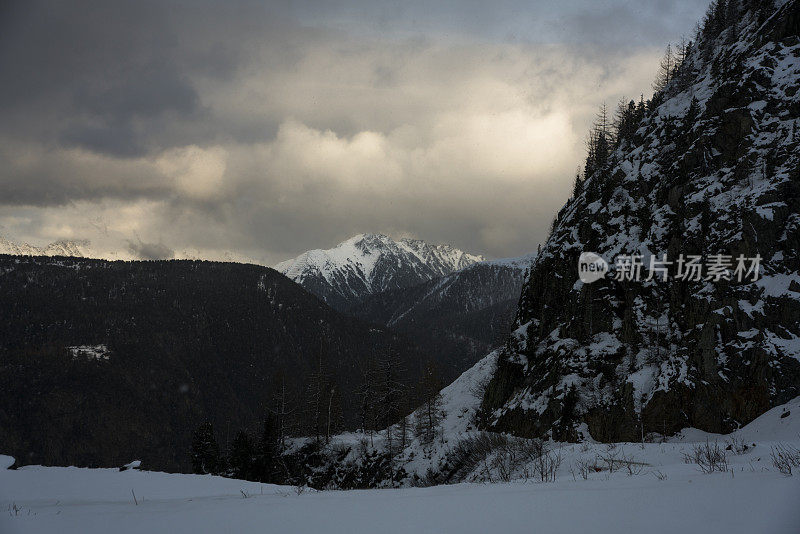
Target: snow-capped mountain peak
369, 263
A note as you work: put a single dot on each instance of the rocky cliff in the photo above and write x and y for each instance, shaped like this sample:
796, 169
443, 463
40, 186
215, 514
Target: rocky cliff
710, 166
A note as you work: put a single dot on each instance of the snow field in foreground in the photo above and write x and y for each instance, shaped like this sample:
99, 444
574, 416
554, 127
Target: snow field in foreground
663, 494
98, 500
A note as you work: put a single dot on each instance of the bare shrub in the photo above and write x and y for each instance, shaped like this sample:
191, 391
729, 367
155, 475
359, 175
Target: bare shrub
583, 468
498, 458
545, 467
508, 458
710, 457
616, 460
785, 458
470, 452
610, 462
634, 468
735, 443
478, 389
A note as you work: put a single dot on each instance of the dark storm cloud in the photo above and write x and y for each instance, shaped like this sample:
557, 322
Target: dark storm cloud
273, 127
86, 74
110, 76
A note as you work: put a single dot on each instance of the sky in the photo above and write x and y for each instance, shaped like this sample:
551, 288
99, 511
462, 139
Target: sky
267, 128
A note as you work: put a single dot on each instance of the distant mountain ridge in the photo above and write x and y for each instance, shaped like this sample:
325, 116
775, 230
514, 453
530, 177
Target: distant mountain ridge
82, 248
78, 249
367, 264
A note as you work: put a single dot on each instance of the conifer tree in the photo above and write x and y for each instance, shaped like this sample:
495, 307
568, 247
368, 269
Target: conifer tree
666, 70
624, 122
268, 454
732, 21
205, 450
692, 114
241, 457
597, 144
577, 186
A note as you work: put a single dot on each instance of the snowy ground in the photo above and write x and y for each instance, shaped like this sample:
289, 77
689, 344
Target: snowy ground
661, 494
70, 500
667, 496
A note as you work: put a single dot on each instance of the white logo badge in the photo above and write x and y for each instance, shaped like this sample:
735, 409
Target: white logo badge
591, 267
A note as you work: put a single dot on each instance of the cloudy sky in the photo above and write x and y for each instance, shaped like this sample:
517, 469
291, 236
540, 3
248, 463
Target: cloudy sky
267, 128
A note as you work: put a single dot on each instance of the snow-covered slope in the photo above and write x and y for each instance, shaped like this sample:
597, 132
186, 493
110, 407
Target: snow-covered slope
367, 264
459, 407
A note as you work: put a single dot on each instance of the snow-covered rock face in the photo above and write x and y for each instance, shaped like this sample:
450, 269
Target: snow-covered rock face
720, 175
370, 263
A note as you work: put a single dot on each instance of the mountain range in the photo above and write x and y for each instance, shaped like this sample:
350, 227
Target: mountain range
83, 248
86, 343
452, 303
78, 249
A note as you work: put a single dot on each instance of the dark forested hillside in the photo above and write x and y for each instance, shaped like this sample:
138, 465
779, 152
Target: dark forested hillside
464, 314
709, 167
103, 362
